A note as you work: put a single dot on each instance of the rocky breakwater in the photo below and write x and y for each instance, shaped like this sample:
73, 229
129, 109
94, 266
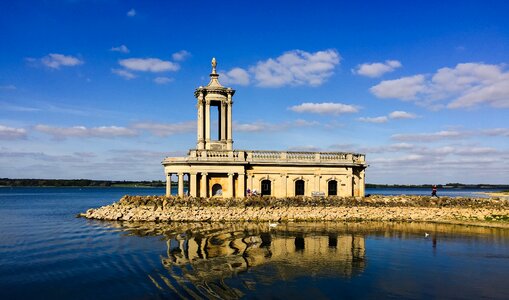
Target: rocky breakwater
264, 209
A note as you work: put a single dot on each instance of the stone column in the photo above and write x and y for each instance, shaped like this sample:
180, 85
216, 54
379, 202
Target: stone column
349, 181
362, 183
317, 183
229, 141
203, 185
241, 191
284, 185
222, 121
193, 185
249, 183
231, 188
207, 125
289, 184
181, 185
200, 120
355, 184
168, 184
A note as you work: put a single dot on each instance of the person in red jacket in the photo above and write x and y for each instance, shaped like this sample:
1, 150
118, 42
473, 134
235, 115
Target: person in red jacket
434, 191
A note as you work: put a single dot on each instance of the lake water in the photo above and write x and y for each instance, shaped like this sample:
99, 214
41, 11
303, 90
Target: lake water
447, 192
48, 253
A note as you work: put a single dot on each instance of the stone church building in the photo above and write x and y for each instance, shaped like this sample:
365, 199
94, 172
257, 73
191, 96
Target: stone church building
213, 168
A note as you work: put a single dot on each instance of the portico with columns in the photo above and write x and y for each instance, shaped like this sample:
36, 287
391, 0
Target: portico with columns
214, 169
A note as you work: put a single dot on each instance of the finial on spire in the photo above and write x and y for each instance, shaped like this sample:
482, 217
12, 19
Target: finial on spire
214, 64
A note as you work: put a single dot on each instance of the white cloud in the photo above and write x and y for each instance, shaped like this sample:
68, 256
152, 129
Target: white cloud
461, 150
418, 163
324, 108
384, 119
376, 69
235, 76
475, 151
123, 73
164, 129
12, 133
55, 61
434, 136
398, 147
398, 114
495, 94
82, 131
405, 159
405, 88
301, 123
121, 48
381, 119
20, 108
163, 80
181, 55
496, 132
148, 64
261, 126
10, 87
253, 127
131, 12
465, 85
451, 134
305, 148
296, 67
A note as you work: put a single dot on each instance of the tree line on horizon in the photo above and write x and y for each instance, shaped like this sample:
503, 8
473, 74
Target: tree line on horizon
159, 183
77, 183
455, 185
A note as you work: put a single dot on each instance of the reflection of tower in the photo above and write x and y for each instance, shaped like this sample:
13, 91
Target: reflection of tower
214, 95
222, 253
211, 260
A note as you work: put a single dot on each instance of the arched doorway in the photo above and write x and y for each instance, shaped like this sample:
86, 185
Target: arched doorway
299, 187
332, 188
217, 190
266, 187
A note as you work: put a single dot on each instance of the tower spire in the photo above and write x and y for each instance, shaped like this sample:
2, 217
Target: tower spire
214, 82
214, 64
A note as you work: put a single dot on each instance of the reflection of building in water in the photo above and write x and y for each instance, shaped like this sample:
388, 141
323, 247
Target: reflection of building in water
215, 257
211, 260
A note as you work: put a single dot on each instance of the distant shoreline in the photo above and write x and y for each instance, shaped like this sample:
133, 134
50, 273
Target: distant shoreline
35, 182
83, 187
9, 182
496, 194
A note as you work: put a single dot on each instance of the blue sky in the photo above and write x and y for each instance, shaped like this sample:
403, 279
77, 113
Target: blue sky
104, 89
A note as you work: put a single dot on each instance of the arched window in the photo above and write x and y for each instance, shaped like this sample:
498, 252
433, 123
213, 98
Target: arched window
299, 187
300, 243
217, 190
333, 188
266, 187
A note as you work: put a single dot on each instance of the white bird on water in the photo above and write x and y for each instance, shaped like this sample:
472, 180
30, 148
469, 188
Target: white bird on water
426, 234
273, 225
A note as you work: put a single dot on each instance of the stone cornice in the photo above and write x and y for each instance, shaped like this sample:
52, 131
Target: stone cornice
214, 90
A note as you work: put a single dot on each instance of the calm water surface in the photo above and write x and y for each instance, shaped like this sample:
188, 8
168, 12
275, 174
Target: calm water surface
47, 253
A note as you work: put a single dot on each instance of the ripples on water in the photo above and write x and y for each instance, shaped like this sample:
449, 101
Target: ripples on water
47, 253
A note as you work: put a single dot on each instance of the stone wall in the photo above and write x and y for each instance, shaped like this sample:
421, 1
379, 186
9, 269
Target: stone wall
375, 208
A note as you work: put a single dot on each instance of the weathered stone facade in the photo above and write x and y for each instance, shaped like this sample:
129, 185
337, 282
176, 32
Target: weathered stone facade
215, 169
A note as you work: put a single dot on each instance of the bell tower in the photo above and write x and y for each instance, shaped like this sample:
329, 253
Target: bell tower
211, 96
